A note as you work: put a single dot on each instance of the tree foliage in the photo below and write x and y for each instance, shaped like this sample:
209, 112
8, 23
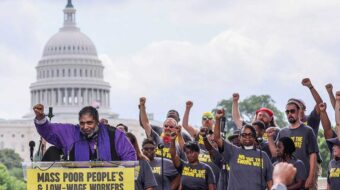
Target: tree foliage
324, 152
248, 108
8, 182
10, 159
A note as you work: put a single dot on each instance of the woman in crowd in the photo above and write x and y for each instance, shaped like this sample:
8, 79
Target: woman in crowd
245, 162
285, 150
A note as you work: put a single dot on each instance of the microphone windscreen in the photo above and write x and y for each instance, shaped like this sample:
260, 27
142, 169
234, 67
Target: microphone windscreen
31, 144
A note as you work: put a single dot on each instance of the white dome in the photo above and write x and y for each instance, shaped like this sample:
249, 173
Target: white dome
69, 42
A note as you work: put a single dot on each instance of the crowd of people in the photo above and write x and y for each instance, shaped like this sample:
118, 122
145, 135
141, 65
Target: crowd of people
258, 155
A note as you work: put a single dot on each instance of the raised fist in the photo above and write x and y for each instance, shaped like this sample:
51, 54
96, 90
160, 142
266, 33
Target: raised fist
337, 95
219, 114
284, 173
306, 82
173, 135
329, 87
189, 104
236, 97
39, 111
204, 131
322, 106
142, 101
271, 131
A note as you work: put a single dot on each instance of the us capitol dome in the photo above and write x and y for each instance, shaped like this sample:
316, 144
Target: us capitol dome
69, 74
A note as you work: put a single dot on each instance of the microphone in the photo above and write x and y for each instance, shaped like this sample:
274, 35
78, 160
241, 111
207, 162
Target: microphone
32, 145
259, 140
160, 145
50, 113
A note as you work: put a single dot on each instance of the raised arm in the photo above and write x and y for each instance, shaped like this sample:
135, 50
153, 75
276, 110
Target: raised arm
60, 135
329, 88
192, 131
217, 128
271, 142
306, 82
337, 113
180, 139
144, 118
326, 123
173, 152
236, 111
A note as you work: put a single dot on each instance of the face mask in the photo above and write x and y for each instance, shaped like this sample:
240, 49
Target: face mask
92, 135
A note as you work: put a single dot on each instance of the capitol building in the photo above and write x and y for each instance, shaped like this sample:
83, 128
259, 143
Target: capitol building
69, 76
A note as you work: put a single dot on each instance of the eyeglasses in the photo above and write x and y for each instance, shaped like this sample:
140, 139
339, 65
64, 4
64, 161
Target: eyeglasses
206, 118
244, 135
149, 148
170, 126
292, 111
82, 123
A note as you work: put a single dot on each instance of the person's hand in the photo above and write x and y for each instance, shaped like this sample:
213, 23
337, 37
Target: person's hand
271, 131
203, 131
329, 87
179, 130
39, 111
322, 106
142, 101
309, 182
307, 82
173, 135
236, 97
189, 104
219, 114
337, 96
284, 173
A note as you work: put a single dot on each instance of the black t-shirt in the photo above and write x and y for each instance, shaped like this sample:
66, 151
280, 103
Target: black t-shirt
145, 178
333, 177
304, 140
245, 168
301, 173
196, 177
169, 172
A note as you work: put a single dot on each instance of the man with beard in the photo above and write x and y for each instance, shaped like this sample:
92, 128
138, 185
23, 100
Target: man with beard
263, 114
170, 125
303, 138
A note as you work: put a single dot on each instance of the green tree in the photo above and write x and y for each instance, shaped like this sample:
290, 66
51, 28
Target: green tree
324, 152
248, 108
8, 182
12, 161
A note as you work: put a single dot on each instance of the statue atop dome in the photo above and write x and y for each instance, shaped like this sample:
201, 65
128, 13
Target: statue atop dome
69, 4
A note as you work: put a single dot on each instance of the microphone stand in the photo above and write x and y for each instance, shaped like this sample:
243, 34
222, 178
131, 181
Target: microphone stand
161, 146
260, 140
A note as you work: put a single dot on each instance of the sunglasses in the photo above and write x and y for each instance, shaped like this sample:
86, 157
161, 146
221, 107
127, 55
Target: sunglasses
170, 126
82, 123
292, 111
206, 118
244, 135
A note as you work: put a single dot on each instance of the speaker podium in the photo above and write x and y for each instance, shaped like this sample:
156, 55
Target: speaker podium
116, 175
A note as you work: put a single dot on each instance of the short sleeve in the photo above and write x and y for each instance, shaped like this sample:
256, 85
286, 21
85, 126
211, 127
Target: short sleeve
210, 175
